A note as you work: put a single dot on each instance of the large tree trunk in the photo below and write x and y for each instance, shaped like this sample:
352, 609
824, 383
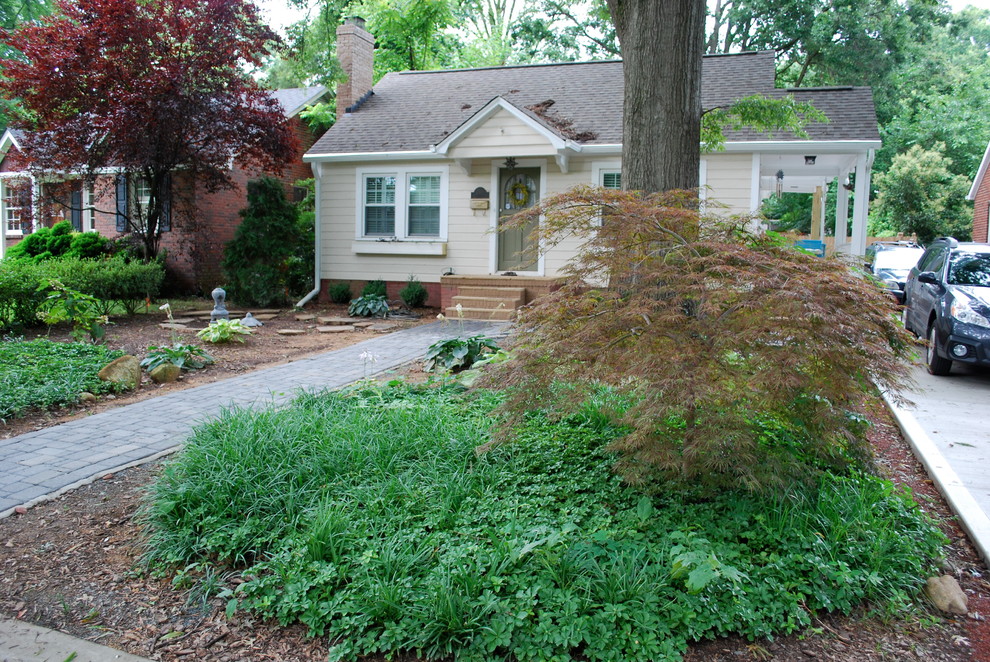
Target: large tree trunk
662, 42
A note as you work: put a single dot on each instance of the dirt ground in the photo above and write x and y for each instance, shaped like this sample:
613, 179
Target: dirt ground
74, 564
264, 348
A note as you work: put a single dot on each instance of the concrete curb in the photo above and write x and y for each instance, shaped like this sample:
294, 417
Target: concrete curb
974, 521
23, 642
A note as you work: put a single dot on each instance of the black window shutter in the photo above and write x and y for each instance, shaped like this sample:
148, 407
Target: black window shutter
75, 202
165, 222
121, 203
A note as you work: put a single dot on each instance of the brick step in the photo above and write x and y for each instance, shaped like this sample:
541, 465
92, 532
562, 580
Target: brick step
499, 314
491, 291
486, 302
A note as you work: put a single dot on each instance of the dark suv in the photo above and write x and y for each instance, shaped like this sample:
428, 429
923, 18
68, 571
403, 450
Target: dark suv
947, 299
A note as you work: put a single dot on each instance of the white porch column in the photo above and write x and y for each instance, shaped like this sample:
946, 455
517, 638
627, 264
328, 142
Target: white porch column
754, 184
842, 215
3, 218
861, 203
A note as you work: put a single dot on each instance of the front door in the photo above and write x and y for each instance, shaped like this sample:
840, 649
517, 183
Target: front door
519, 188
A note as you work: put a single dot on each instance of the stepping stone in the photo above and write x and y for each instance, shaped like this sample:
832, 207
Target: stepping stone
197, 313
337, 320
305, 318
264, 317
291, 332
334, 329
362, 325
183, 320
190, 329
174, 327
386, 326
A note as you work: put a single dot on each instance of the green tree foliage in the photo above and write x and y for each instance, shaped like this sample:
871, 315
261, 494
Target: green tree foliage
256, 262
709, 333
941, 95
920, 195
827, 42
556, 31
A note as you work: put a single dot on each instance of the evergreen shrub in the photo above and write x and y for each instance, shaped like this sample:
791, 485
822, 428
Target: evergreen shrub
414, 294
374, 288
256, 262
339, 292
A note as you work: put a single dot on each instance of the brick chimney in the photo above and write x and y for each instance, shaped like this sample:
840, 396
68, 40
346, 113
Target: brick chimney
356, 52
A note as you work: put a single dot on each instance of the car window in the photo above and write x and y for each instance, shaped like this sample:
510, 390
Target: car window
898, 258
970, 269
929, 258
938, 262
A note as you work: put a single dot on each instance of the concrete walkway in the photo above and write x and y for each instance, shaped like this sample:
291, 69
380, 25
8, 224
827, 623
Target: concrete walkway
948, 427
41, 465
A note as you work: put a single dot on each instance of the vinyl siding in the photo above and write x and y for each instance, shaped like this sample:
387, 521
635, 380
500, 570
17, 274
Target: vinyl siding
729, 182
468, 236
500, 136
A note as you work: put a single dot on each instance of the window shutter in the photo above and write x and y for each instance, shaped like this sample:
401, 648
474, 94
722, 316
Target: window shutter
75, 211
121, 203
165, 222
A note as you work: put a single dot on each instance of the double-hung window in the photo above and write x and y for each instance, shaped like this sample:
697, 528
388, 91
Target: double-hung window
611, 179
405, 204
16, 206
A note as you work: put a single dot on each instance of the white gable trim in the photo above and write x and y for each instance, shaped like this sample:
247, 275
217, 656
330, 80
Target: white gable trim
980, 174
319, 92
7, 141
492, 107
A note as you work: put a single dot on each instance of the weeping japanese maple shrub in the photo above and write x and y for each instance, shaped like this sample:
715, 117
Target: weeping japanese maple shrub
740, 362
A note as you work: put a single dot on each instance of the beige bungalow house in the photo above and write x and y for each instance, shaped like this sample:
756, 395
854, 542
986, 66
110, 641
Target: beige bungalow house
415, 175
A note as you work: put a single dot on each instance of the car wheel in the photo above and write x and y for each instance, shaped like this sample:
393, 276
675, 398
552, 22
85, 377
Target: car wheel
936, 364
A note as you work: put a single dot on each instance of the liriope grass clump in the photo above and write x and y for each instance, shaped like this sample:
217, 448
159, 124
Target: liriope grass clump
368, 516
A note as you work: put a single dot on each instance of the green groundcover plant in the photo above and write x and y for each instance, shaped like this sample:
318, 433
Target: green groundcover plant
46, 374
367, 516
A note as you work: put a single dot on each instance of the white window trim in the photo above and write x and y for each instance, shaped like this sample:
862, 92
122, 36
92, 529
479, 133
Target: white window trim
401, 175
600, 168
4, 230
88, 210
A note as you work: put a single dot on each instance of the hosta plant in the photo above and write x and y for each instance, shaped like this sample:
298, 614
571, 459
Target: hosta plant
222, 331
457, 354
185, 355
369, 305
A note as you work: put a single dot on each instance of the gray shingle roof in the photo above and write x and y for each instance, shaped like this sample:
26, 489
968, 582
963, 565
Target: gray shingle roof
410, 111
294, 99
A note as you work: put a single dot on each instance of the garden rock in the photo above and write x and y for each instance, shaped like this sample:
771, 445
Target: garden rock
164, 373
86, 396
125, 371
305, 318
173, 326
291, 332
946, 594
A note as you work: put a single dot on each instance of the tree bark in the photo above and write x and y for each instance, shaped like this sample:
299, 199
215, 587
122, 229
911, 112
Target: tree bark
662, 43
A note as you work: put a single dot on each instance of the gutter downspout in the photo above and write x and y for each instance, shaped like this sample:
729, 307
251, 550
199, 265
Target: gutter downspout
317, 174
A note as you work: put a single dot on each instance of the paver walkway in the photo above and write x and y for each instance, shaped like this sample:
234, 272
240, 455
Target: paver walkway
41, 465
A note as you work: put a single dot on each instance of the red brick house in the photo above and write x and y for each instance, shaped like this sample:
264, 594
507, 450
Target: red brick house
194, 239
979, 193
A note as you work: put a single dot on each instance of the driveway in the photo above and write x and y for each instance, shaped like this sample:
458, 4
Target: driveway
955, 413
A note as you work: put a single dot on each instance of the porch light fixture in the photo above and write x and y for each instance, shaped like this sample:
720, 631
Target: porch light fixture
510, 163
810, 160
780, 182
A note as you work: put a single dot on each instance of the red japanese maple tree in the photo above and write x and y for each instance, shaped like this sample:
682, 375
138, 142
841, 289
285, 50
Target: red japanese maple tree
149, 88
